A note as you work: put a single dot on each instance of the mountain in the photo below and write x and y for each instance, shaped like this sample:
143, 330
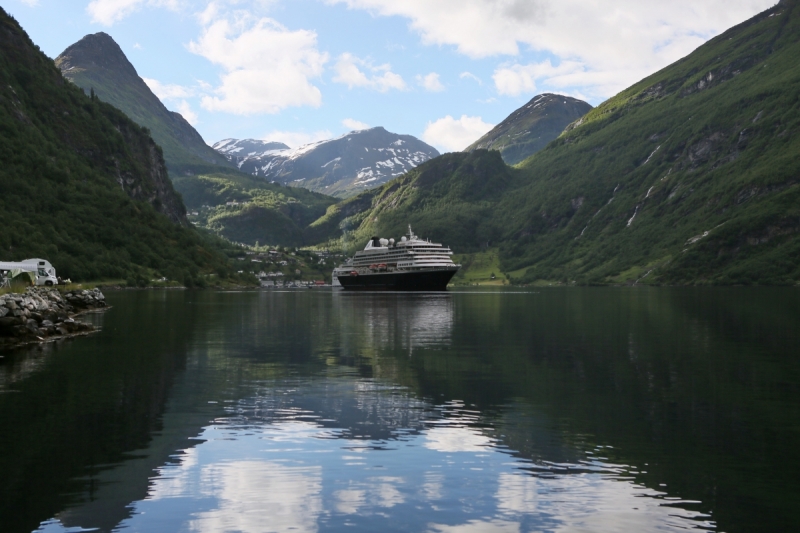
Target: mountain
338, 167
239, 151
249, 210
528, 129
258, 211
451, 199
691, 176
81, 184
97, 63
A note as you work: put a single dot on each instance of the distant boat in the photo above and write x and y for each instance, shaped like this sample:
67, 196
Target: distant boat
411, 264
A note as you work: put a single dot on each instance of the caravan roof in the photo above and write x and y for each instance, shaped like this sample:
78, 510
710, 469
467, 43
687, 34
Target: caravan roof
9, 265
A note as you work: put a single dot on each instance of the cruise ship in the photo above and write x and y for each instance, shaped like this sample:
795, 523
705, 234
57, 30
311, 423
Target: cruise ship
410, 264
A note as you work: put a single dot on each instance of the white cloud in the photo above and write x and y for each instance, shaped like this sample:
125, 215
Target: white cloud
380, 78
452, 135
295, 139
354, 124
30, 3
430, 82
267, 67
568, 77
624, 40
470, 76
107, 12
516, 79
166, 91
137, 46
186, 111
209, 14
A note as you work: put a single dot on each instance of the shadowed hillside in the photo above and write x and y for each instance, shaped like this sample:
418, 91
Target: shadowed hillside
81, 184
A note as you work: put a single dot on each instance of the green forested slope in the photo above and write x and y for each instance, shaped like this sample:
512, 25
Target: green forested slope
689, 176
451, 199
266, 213
81, 184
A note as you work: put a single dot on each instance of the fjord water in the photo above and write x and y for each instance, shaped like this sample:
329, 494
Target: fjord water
598, 409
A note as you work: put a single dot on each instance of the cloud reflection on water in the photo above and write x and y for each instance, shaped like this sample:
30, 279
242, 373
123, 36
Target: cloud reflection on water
253, 494
478, 526
456, 439
597, 502
333, 450
285, 474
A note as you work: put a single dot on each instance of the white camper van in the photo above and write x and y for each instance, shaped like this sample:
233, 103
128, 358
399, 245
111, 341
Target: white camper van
41, 270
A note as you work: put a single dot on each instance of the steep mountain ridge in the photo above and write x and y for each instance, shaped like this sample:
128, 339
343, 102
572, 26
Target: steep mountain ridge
237, 206
339, 167
690, 176
81, 184
531, 127
97, 63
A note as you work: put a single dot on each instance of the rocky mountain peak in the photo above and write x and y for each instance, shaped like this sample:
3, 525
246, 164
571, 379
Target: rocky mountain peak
531, 127
96, 51
236, 149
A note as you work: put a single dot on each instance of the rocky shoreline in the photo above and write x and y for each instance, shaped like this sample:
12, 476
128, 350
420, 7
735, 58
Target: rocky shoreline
42, 313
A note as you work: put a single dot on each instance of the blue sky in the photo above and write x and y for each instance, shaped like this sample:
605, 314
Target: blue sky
445, 71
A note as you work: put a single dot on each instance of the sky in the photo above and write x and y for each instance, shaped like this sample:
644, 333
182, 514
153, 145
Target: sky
445, 71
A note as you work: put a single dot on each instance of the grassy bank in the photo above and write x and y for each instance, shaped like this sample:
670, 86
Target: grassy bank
481, 268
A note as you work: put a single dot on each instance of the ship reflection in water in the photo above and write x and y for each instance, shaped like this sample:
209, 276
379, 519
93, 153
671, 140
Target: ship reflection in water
395, 321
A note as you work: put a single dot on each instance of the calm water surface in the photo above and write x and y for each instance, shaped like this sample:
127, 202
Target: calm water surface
472, 411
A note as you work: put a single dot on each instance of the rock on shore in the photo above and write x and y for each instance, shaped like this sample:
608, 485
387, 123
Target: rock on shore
44, 312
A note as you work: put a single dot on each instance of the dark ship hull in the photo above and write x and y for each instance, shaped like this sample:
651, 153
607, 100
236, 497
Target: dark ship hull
419, 280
